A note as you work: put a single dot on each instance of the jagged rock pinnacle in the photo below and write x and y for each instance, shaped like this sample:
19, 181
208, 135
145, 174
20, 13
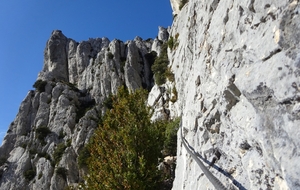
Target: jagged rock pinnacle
55, 58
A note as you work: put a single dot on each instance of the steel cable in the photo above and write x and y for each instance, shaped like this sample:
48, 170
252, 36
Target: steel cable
216, 183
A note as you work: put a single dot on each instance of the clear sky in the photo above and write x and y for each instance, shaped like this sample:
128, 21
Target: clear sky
26, 25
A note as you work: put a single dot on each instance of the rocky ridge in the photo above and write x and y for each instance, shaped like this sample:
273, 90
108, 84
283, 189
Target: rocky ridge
55, 121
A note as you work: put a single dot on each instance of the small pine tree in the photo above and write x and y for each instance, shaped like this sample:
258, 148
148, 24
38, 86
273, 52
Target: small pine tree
124, 150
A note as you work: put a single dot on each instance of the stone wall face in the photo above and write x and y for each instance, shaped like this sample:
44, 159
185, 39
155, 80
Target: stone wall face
237, 69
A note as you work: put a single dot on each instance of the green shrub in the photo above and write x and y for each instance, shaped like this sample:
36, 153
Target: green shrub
23, 145
29, 174
84, 154
108, 102
42, 132
160, 66
171, 42
32, 151
83, 108
61, 134
45, 155
69, 142
125, 148
40, 85
62, 172
110, 55
175, 94
170, 144
170, 75
58, 152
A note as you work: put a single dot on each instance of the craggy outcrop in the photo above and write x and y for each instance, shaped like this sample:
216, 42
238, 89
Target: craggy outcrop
56, 120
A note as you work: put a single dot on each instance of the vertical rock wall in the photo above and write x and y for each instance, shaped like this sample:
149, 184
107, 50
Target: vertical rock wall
236, 66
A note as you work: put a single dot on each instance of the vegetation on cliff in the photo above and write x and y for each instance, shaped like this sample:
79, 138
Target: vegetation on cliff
124, 151
160, 67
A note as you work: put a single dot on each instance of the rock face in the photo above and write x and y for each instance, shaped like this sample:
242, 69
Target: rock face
175, 4
237, 68
236, 86
55, 121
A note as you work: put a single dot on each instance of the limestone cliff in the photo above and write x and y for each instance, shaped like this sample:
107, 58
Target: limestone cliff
236, 86
236, 66
56, 120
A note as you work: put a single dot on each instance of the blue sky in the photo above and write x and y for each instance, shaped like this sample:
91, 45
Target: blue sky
27, 24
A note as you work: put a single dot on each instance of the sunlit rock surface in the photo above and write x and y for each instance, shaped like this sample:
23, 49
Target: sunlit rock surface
75, 81
237, 74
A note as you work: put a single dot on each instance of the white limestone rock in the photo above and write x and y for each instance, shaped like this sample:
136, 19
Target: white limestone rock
156, 46
175, 6
163, 34
237, 75
55, 58
42, 167
78, 78
163, 101
18, 163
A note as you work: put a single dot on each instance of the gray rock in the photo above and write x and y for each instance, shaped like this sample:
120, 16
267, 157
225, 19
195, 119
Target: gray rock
44, 172
175, 6
163, 34
79, 77
156, 46
55, 58
236, 72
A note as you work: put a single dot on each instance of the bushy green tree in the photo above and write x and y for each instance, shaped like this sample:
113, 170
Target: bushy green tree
58, 152
42, 132
160, 65
124, 150
170, 144
29, 174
